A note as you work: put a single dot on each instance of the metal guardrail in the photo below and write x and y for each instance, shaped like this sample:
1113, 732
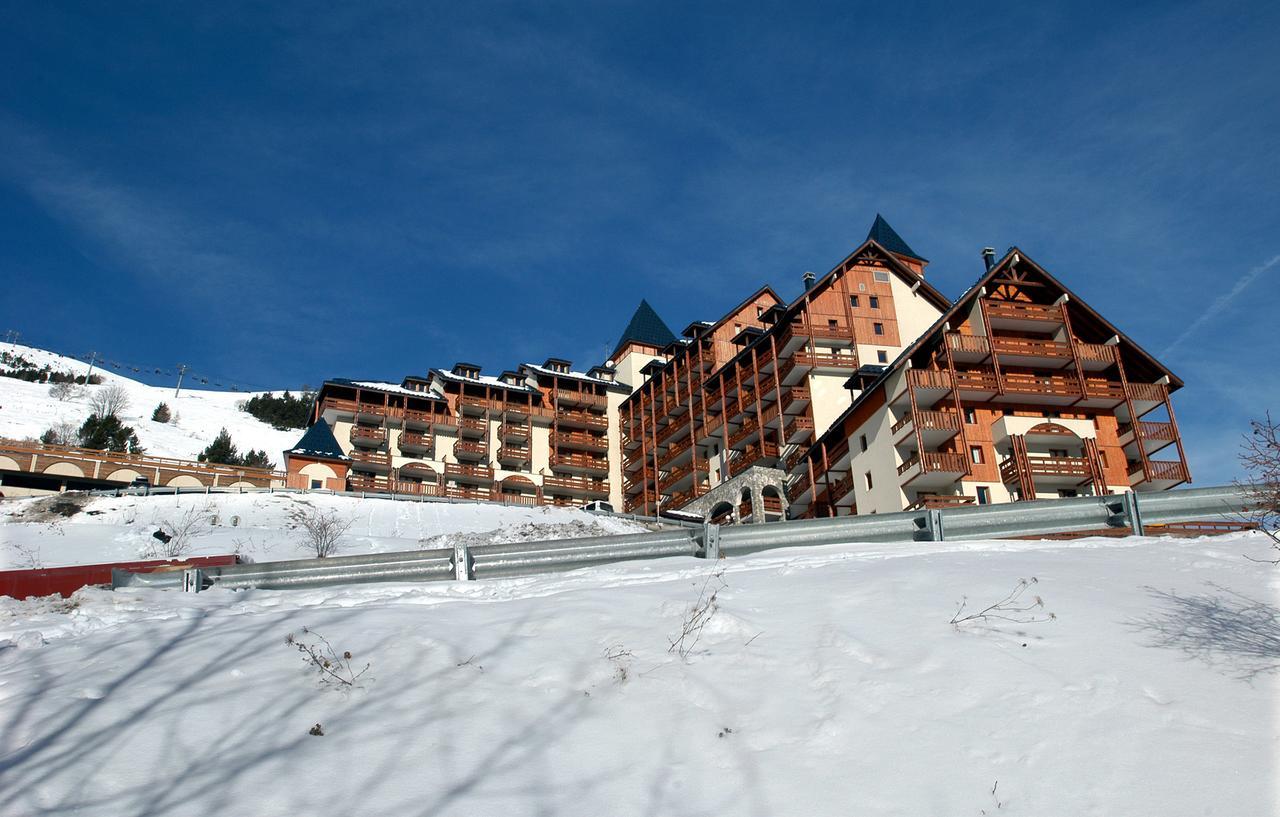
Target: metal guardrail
1122, 511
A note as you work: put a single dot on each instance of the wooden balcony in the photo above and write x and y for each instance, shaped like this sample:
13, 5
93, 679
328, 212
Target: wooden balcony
672, 429
981, 383
940, 501
763, 452
473, 427
368, 436
1094, 355
580, 464
1159, 471
946, 465
566, 397
414, 441
581, 419
514, 454
770, 506
363, 482
513, 431
462, 472
515, 498
471, 449
1056, 389
674, 453
576, 486
369, 460
968, 346
419, 419
841, 491
796, 400
1106, 391
797, 429
935, 426
1050, 469
794, 459
1005, 312
825, 361
1153, 436
1047, 350
798, 487
579, 440
470, 492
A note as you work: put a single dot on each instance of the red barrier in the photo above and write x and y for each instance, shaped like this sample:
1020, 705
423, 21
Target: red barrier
64, 581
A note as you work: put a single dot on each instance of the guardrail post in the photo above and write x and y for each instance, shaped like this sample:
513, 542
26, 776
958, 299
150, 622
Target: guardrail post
1132, 513
462, 562
710, 541
192, 580
934, 525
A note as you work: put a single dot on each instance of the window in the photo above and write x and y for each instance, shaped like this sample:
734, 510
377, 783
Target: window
862, 441
874, 301
882, 356
867, 477
832, 324
1057, 452
759, 311
1066, 492
882, 277
975, 454
984, 495
737, 327
853, 300
316, 484
878, 327
970, 416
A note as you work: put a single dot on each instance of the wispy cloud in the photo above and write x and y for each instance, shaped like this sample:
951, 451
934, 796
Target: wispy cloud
1222, 302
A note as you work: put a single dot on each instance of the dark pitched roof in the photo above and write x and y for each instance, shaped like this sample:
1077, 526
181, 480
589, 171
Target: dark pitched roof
647, 328
887, 237
319, 442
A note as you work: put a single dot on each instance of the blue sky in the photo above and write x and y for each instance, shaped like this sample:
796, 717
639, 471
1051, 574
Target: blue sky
279, 193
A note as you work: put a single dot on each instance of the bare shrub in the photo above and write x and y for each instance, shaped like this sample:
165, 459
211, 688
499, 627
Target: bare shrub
1012, 607
334, 669
62, 433
698, 615
621, 660
26, 557
174, 536
322, 531
1260, 458
64, 390
109, 401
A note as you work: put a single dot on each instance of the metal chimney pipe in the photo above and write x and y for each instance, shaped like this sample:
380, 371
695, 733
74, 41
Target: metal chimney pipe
809, 279
989, 256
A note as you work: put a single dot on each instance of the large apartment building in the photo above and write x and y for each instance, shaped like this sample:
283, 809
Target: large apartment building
871, 392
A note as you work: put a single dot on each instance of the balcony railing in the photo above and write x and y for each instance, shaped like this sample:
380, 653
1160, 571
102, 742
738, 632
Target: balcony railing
576, 485
1072, 467
1099, 389
798, 487
415, 440
938, 501
479, 494
1098, 352
1030, 347
514, 453
582, 418
471, 448
1017, 310
936, 462
369, 459
976, 380
968, 344
797, 428
1054, 385
582, 461
580, 398
929, 421
580, 439
366, 435
825, 360
1147, 392
840, 488
1149, 431
1161, 470
928, 379
463, 471
361, 482
513, 431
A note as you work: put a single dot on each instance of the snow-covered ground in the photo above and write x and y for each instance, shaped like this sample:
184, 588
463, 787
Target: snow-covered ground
827, 682
27, 410
263, 526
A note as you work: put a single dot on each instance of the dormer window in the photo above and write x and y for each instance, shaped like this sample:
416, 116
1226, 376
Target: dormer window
466, 370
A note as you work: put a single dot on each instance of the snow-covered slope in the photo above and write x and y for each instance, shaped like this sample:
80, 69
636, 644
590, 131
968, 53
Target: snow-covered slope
263, 527
27, 410
827, 682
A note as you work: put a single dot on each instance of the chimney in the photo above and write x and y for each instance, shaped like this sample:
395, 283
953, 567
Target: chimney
809, 278
989, 257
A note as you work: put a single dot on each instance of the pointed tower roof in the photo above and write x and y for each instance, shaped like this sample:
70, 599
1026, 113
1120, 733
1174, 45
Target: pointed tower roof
319, 442
647, 328
887, 237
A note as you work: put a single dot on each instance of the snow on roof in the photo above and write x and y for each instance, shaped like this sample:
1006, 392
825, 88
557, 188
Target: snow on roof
485, 380
382, 385
575, 375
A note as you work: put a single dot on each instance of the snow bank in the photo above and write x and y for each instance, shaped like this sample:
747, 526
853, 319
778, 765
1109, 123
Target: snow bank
828, 682
263, 526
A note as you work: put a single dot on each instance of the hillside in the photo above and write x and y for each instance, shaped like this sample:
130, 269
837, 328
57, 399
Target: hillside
27, 410
827, 682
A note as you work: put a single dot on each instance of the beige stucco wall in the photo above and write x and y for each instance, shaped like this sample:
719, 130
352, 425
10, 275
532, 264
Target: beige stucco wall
184, 481
63, 469
614, 406
915, 314
629, 366
828, 399
124, 475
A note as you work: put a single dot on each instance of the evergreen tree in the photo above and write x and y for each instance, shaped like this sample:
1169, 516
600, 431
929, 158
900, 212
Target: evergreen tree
221, 450
161, 414
284, 412
108, 434
257, 459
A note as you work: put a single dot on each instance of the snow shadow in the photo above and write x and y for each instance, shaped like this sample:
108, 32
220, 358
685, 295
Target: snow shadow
1225, 629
